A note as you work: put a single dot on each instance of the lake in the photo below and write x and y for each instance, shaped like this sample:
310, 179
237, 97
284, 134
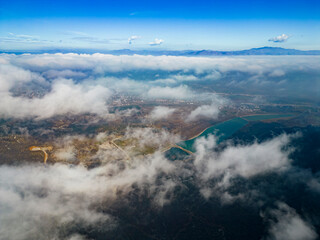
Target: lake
227, 128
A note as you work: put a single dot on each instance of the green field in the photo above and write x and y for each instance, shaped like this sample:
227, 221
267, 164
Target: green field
225, 129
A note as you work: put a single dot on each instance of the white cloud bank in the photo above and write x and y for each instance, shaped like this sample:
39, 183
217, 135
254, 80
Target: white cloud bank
76, 81
101, 63
67, 94
65, 97
11, 76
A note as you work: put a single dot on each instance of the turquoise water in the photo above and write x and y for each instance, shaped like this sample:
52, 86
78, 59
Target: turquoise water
225, 129
222, 130
266, 117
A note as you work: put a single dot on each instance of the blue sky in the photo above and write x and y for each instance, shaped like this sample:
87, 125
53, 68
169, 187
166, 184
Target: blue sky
219, 25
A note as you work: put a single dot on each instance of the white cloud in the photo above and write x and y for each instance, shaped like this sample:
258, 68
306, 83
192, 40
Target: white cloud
36, 201
43, 202
51, 74
277, 73
281, 38
151, 137
286, 224
64, 149
98, 64
243, 161
124, 85
156, 42
173, 79
65, 97
214, 75
90, 71
11, 76
208, 111
66, 154
132, 38
54, 199
180, 92
161, 112
46, 199
184, 78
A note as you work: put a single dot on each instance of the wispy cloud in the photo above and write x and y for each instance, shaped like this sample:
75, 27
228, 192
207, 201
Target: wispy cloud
180, 92
132, 38
77, 33
86, 37
156, 42
90, 39
281, 38
21, 38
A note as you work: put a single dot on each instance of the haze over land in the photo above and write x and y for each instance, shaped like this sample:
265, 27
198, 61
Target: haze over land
107, 115
159, 120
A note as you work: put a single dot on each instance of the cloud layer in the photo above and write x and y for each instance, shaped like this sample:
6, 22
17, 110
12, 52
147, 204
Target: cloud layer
65, 97
97, 76
60, 201
39, 202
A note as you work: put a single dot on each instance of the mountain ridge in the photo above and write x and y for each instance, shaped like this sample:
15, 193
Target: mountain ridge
204, 52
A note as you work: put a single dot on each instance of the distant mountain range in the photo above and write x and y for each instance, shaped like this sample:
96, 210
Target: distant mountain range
252, 51
256, 51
